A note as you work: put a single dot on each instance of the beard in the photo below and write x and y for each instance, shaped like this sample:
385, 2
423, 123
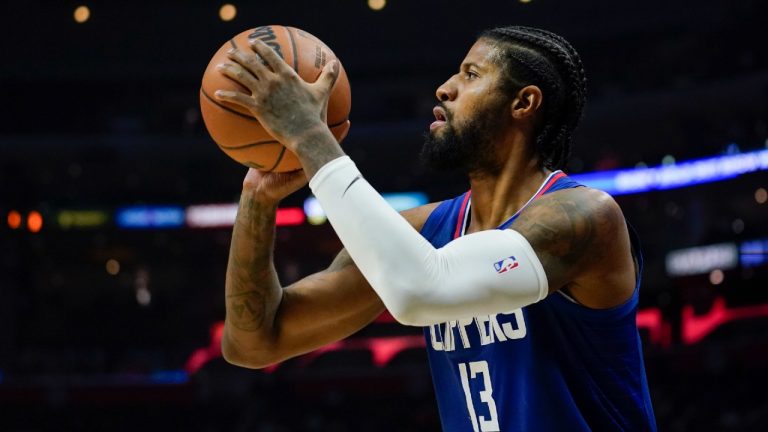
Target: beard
468, 148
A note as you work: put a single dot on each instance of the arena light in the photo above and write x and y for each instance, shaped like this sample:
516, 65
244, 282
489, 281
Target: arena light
14, 219
112, 266
34, 221
659, 330
137, 217
689, 173
81, 14
398, 201
754, 253
694, 327
315, 213
169, 377
211, 215
716, 277
289, 216
223, 216
702, 259
227, 12
67, 219
761, 195
377, 5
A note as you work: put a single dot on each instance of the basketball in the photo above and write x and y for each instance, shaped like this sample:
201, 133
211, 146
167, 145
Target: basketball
236, 131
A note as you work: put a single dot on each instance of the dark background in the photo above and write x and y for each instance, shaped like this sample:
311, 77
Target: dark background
105, 114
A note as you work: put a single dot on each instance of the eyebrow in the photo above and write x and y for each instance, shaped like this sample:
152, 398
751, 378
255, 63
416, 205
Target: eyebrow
468, 65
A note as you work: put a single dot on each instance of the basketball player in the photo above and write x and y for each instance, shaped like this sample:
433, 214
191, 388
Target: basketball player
526, 286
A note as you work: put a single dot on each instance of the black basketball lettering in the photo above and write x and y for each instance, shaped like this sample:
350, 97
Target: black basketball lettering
267, 35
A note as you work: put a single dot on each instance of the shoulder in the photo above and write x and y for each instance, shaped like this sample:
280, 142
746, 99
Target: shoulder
580, 236
417, 216
584, 211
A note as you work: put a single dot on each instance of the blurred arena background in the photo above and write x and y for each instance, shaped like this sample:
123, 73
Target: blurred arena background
117, 207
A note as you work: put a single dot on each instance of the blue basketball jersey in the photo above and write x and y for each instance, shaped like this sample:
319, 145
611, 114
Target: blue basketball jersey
552, 366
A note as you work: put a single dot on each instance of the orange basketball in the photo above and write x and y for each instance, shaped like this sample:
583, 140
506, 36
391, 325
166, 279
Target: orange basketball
236, 131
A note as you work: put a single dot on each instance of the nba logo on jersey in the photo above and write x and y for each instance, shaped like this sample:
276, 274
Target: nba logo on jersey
505, 265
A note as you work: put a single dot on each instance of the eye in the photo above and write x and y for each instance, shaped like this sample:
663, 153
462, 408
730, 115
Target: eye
471, 75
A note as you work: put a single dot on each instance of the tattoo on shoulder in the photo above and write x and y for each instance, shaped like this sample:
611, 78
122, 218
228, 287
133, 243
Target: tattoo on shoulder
563, 229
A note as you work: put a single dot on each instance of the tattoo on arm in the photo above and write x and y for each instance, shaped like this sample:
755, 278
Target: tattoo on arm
252, 287
246, 310
318, 148
563, 230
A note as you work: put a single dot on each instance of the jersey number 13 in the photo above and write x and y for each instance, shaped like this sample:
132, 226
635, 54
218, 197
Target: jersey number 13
479, 423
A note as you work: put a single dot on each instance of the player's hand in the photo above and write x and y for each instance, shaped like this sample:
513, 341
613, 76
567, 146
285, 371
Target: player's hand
288, 107
272, 187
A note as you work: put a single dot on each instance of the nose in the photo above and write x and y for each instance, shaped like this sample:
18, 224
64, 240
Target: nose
446, 92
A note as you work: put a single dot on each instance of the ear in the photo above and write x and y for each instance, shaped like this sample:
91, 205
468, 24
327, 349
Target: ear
526, 102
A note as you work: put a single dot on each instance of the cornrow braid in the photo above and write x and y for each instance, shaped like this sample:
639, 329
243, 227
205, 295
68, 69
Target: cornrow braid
542, 58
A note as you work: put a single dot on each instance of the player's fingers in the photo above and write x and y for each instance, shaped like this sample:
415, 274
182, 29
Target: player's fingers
249, 61
328, 76
239, 74
235, 97
271, 57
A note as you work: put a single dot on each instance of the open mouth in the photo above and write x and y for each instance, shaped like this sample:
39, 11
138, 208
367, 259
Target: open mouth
439, 113
440, 117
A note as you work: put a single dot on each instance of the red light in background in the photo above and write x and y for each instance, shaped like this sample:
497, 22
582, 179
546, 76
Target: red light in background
697, 327
34, 221
289, 216
659, 330
203, 355
14, 219
383, 349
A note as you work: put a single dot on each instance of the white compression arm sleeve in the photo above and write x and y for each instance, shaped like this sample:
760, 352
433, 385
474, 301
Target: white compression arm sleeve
478, 274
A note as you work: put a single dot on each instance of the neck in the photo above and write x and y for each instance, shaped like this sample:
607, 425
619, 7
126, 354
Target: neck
495, 198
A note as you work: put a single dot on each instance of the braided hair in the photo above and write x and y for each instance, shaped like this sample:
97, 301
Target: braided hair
542, 58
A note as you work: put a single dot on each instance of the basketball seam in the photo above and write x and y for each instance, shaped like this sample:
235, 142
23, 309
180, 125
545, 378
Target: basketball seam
249, 145
279, 158
339, 123
293, 47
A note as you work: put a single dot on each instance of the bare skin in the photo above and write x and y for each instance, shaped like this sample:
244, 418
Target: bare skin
266, 322
578, 234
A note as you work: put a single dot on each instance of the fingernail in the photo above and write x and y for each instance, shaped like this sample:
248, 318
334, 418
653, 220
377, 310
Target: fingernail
231, 50
220, 66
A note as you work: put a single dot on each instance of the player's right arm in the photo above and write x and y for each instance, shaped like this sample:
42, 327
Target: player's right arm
266, 323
